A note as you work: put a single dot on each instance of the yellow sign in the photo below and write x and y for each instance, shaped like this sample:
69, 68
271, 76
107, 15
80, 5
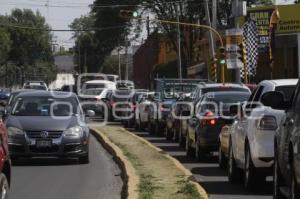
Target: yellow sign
289, 21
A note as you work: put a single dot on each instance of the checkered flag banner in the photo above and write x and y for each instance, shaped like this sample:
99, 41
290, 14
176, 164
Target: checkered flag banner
250, 40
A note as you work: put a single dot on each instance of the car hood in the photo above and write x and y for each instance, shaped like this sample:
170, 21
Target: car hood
38, 123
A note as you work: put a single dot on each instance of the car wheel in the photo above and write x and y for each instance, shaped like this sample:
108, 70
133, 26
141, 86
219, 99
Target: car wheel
222, 159
4, 186
234, 173
251, 176
181, 139
277, 179
168, 134
200, 155
84, 159
294, 193
189, 151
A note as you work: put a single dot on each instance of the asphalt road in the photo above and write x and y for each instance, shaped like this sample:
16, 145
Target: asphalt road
208, 174
54, 179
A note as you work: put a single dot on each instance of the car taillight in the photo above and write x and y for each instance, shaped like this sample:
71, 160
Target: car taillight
209, 119
98, 99
267, 122
113, 104
164, 108
133, 106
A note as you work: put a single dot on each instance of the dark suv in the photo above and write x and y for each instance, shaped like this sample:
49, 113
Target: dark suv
286, 146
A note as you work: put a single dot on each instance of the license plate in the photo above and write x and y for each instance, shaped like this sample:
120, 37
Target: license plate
43, 143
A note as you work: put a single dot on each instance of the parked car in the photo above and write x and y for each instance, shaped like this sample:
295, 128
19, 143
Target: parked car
35, 85
205, 126
252, 137
5, 163
43, 124
286, 177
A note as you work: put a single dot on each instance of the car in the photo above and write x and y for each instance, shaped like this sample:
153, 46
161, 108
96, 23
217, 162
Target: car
286, 183
251, 145
5, 162
42, 124
201, 89
158, 113
211, 114
36, 85
142, 110
137, 95
224, 146
4, 95
95, 99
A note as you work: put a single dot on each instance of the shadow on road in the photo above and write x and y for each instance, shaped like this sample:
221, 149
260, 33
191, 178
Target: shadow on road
44, 162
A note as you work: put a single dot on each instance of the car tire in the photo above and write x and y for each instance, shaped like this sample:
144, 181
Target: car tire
294, 190
199, 154
168, 134
150, 128
156, 129
277, 180
181, 140
222, 158
234, 173
175, 135
4, 187
189, 151
252, 177
84, 159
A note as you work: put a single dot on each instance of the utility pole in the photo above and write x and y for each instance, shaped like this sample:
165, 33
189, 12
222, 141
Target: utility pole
127, 60
237, 71
179, 42
210, 35
119, 58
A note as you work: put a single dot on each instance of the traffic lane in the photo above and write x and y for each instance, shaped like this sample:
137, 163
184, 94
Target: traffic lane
211, 177
52, 178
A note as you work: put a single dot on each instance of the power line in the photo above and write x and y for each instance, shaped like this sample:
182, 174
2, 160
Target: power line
60, 30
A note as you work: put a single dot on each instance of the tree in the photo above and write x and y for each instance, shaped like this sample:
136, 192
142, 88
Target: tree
86, 52
5, 45
29, 45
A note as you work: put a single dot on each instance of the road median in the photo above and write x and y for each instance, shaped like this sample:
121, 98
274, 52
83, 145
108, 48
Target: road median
148, 171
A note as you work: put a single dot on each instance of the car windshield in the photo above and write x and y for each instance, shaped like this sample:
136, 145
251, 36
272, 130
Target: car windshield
45, 106
286, 90
35, 87
92, 91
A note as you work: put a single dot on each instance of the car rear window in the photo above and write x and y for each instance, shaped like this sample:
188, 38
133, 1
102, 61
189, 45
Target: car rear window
216, 89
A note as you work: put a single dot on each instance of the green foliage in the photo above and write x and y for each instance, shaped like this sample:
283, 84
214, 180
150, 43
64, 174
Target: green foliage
29, 49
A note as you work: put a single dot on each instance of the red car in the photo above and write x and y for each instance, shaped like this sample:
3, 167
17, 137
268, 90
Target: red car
5, 163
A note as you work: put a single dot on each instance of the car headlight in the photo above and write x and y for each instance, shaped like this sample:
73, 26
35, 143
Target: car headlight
73, 132
13, 132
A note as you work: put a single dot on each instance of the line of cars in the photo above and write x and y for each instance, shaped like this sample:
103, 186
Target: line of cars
256, 134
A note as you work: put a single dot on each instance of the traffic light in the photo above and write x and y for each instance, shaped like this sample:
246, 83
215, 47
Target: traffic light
241, 53
128, 14
222, 52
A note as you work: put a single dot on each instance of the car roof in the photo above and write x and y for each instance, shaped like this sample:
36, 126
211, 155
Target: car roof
227, 93
39, 93
99, 82
281, 82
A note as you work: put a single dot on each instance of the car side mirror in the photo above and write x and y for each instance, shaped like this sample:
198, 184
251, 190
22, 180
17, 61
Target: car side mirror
273, 99
90, 113
3, 103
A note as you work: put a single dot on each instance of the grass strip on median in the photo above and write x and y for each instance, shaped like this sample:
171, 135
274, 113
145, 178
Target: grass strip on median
159, 177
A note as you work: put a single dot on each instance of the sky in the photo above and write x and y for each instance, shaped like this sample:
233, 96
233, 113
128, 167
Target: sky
61, 13
58, 17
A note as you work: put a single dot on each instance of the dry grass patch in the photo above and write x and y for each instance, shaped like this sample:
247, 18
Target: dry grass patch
159, 177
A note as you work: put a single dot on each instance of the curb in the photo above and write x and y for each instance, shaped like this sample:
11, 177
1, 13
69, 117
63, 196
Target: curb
186, 172
128, 175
